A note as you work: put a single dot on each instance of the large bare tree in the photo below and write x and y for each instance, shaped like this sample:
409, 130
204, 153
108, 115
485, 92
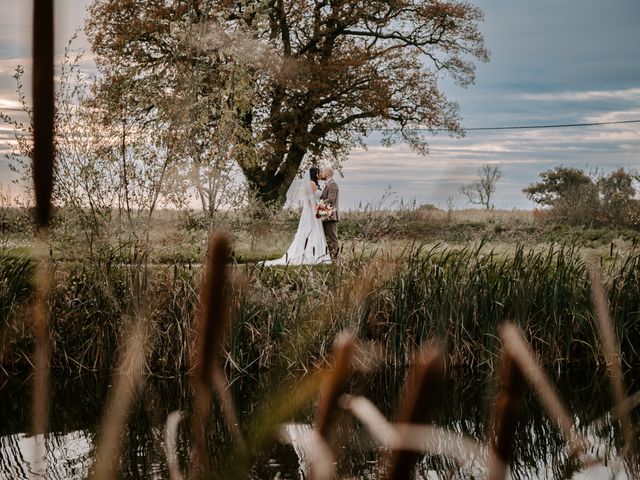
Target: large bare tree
331, 70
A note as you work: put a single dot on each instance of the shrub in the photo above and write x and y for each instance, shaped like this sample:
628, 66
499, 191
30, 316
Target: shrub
576, 198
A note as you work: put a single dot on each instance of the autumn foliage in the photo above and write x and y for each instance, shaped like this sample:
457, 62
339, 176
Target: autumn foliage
304, 80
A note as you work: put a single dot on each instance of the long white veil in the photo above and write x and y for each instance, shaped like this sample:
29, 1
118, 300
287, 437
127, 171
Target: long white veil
300, 194
309, 244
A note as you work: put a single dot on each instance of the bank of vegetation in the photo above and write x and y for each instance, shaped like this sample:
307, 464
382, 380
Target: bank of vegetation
287, 317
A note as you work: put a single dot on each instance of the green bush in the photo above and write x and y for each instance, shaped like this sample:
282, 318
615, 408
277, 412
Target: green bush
576, 198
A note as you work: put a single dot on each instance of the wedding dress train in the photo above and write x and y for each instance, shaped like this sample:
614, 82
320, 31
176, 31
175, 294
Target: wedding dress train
309, 245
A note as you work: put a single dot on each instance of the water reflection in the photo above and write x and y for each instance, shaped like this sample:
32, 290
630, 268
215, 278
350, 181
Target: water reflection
465, 408
67, 456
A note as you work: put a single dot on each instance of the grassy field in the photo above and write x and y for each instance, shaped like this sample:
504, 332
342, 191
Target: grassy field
366, 231
179, 237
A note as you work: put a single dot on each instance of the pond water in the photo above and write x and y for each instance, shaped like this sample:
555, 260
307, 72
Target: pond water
465, 407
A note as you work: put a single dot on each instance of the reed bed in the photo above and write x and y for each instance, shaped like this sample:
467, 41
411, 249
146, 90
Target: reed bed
288, 317
325, 301
16, 274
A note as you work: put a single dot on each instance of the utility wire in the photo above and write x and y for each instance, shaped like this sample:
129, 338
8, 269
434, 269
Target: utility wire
523, 127
561, 125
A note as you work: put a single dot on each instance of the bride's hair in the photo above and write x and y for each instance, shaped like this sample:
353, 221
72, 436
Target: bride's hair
314, 172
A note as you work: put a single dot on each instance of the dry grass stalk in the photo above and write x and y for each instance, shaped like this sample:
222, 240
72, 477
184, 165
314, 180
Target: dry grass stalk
523, 356
368, 355
271, 418
41, 354
287, 399
212, 314
333, 383
212, 323
200, 466
171, 442
613, 361
128, 377
420, 439
228, 407
421, 392
43, 158
506, 413
321, 457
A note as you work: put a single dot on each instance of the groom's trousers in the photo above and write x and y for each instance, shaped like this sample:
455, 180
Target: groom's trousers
331, 233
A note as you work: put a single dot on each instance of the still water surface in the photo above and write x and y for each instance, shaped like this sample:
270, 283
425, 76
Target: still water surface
465, 408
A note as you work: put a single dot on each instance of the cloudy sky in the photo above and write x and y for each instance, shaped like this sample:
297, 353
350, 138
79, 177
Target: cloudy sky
552, 62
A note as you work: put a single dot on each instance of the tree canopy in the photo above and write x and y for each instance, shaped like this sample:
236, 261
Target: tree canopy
581, 199
316, 75
558, 184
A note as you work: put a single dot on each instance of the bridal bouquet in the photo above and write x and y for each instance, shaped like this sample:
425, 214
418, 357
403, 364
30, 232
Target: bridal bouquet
324, 211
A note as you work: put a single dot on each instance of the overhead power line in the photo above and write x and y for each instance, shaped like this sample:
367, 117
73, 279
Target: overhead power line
522, 127
560, 125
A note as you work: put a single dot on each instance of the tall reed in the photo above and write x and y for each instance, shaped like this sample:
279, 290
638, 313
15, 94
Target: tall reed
42, 167
422, 392
458, 296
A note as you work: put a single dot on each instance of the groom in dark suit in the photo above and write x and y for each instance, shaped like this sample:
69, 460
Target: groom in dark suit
330, 195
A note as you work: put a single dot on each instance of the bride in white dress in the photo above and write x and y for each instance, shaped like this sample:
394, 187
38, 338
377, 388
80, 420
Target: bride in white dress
309, 246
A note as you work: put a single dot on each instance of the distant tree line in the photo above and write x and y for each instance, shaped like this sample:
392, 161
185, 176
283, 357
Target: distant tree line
570, 196
574, 197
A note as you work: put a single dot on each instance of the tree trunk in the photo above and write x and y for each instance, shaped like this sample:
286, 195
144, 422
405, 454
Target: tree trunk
270, 187
289, 141
270, 184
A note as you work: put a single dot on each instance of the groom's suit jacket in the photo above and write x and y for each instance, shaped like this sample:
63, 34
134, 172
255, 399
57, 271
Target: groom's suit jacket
330, 195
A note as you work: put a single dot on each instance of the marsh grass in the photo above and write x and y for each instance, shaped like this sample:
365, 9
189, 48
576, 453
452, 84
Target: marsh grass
16, 274
282, 322
288, 317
